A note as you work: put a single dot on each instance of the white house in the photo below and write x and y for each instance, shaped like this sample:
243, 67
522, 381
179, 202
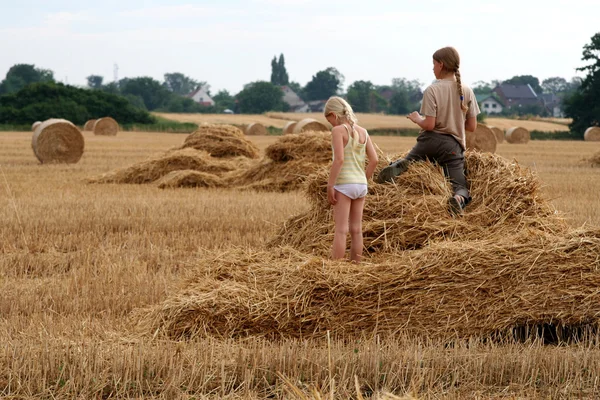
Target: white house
294, 101
489, 104
200, 95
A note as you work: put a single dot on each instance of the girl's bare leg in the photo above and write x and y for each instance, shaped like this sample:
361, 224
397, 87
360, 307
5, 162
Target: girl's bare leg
341, 212
356, 215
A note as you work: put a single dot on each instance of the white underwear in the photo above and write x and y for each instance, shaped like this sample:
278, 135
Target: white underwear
352, 190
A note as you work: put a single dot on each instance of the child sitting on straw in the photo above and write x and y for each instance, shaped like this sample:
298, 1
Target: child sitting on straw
347, 185
449, 108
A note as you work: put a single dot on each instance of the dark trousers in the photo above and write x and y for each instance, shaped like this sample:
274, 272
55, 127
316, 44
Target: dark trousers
448, 153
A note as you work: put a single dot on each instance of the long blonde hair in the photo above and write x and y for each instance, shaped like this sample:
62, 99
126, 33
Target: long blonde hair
451, 60
342, 111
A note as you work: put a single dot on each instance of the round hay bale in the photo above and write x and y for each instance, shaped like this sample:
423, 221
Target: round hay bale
498, 132
517, 135
483, 139
89, 125
289, 127
309, 124
57, 141
106, 127
35, 125
255, 129
592, 134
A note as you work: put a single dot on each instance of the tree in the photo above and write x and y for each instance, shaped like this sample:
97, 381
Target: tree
399, 103
525, 80
324, 84
259, 97
584, 105
182, 85
298, 89
21, 75
554, 85
481, 87
279, 75
223, 100
94, 81
151, 91
359, 95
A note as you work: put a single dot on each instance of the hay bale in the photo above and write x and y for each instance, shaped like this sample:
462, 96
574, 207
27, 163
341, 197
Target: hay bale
189, 178
35, 125
255, 129
89, 125
309, 124
312, 146
594, 160
57, 141
221, 141
449, 289
592, 134
106, 127
289, 127
517, 135
498, 132
157, 167
483, 139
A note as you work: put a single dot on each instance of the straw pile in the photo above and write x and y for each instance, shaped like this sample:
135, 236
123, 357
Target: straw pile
221, 141
449, 289
483, 139
498, 132
57, 141
150, 170
89, 125
189, 178
105, 127
517, 135
592, 134
413, 212
309, 124
289, 127
288, 162
255, 129
595, 159
35, 125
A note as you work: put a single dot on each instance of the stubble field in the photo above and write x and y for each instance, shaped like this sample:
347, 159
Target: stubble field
77, 261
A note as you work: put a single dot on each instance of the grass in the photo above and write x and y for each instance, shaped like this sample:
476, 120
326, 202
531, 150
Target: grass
78, 259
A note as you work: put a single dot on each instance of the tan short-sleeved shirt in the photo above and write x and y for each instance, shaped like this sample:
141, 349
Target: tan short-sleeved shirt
442, 101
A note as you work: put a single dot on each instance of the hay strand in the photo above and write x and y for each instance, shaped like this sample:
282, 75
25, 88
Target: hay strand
57, 141
517, 135
499, 133
592, 134
483, 139
309, 124
106, 126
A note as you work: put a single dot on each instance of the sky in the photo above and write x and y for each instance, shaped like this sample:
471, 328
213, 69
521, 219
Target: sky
229, 43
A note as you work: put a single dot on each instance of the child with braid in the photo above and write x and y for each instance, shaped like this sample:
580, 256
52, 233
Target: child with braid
449, 108
347, 185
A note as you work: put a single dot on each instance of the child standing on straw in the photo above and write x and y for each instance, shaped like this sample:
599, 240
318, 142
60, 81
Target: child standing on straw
449, 108
347, 185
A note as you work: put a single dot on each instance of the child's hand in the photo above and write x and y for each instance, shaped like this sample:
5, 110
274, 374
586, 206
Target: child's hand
414, 117
331, 195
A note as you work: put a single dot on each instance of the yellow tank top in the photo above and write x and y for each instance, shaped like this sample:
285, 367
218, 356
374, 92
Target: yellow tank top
353, 168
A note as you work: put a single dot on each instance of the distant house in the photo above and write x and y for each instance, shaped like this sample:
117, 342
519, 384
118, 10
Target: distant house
294, 101
489, 103
201, 96
317, 105
553, 104
516, 95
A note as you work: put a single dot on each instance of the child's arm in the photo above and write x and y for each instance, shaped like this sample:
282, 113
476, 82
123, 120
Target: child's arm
337, 140
426, 123
471, 124
373, 159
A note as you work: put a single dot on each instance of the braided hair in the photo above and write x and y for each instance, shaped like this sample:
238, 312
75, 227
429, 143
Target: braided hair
449, 57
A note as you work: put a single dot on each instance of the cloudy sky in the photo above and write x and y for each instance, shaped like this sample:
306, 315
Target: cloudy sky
231, 42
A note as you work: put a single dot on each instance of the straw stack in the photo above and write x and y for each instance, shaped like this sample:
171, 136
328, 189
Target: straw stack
592, 134
35, 125
57, 141
483, 139
106, 126
255, 129
89, 125
517, 135
499, 133
221, 141
289, 127
189, 178
309, 124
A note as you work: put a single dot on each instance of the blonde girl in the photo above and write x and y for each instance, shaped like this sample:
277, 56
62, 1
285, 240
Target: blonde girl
449, 109
347, 185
